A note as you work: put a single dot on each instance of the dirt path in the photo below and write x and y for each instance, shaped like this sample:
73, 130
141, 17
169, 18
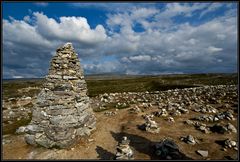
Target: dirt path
102, 142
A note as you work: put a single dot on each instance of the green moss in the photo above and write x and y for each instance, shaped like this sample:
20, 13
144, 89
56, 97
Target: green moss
11, 88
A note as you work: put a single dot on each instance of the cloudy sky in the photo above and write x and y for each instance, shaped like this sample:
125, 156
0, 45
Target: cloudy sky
123, 38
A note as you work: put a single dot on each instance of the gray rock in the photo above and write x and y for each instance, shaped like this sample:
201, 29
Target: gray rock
231, 128
228, 143
44, 141
219, 128
203, 153
21, 130
190, 140
189, 122
30, 139
165, 148
69, 77
32, 129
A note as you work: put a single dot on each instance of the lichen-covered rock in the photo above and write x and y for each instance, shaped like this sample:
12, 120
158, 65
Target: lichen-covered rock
62, 111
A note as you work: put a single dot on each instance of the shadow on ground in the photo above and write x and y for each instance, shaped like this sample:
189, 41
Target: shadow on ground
104, 154
143, 145
220, 142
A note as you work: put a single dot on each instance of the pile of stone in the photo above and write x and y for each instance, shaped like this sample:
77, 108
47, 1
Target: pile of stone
199, 126
175, 101
226, 115
207, 118
204, 109
170, 119
172, 106
183, 110
106, 98
219, 128
146, 105
176, 113
189, 139
162, 112
150, 125
215, 128
16, 110
120, 105
167, 149
231, 128
177, 109
110, 113
191, 122
223, 129
213, 118
62, 111
135, 110
203, 128
124, 152
228, 143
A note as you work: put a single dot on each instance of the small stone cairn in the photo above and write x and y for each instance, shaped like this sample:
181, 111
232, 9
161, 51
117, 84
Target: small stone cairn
151, 125
228, 143
124, 152
62, 111
167, 149
189, 139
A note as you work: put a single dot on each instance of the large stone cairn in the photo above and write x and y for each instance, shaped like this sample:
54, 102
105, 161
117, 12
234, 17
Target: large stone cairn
62, 112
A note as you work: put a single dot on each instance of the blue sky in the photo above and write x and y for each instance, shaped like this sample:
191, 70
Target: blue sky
126, 38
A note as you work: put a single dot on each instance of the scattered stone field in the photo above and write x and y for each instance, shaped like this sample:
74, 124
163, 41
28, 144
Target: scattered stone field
199, 123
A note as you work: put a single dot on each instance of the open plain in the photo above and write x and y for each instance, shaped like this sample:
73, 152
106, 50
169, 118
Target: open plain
196, 111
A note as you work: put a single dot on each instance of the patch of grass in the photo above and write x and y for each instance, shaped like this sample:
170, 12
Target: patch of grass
10, 89
102, 84
158, 83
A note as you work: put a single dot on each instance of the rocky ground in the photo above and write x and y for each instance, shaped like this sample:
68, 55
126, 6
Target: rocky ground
202, 122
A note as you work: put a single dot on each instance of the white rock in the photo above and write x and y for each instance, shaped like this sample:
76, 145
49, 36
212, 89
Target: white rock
21, 130
203, 153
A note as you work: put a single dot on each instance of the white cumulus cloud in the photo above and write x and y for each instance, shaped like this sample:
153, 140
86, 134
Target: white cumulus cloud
69, 29
162, 45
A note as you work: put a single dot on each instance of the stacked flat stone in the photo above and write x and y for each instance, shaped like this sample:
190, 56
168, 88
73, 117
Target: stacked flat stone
151, 125
124, 152
167, 149
62, 111
189, 139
